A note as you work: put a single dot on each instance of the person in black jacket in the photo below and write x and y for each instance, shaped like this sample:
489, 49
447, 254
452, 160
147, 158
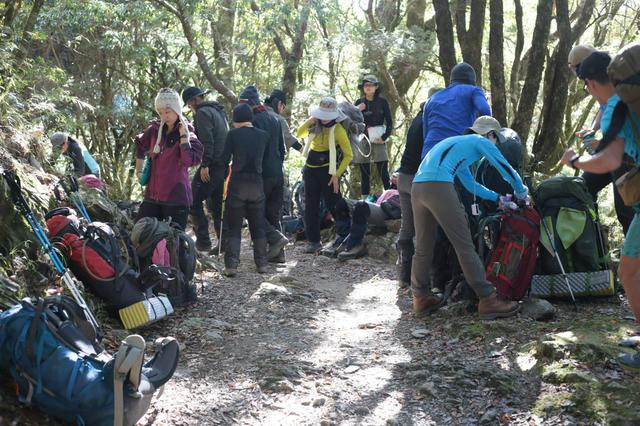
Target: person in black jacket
246, 145
379, 124
83, 162
272, 173
211, 127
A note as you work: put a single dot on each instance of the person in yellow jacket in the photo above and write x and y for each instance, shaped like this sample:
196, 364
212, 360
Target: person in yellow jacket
321, 173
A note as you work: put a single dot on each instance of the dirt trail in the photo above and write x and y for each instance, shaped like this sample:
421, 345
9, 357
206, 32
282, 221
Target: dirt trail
317, 341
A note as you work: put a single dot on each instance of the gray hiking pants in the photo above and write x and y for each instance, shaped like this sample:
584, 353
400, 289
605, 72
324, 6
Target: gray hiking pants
406, 221
438, 203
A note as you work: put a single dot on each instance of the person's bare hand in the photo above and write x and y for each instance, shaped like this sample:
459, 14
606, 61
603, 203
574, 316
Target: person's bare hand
204, 174
333, 182
362, 106
567, 157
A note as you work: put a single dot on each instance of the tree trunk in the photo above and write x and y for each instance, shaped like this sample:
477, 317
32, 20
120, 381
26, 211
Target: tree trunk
30, 23
446, 45
11, 8
515, 67
470, 39
178, 9
529, 95
294, 56
222, 30
549, 141
496, 62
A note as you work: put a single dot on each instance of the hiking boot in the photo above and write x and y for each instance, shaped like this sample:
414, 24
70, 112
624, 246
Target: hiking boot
280, 258
276, 247
403, 264
630, 361
230, 271
203, 246
426, 305
262, 269
493, 307
334, 248
312, 248
353, 253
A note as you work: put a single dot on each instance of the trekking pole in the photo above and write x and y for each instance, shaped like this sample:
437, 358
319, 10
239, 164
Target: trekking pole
21, 204
74, 195
224, 201
557, 256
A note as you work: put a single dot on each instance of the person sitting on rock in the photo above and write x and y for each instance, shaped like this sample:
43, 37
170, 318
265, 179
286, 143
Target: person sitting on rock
246, 146
352, 218
83, 162
435, 202
321, 173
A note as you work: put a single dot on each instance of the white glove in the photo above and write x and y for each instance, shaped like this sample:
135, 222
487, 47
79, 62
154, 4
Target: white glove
524, 196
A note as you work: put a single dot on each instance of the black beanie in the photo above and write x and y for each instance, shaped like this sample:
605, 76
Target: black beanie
242, 113
463, 73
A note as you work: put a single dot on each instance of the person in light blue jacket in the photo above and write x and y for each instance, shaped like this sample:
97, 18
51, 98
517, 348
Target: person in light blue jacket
83, 162
435, 202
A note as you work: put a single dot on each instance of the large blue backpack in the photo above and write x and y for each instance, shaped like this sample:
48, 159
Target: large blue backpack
52, 353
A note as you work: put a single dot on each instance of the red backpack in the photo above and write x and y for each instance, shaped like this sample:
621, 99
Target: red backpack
93, 255
512, 239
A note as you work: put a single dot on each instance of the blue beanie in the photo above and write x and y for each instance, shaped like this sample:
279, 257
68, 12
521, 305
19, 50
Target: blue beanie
250, 93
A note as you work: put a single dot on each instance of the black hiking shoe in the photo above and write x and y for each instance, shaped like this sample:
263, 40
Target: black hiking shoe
630, 361
280, 258
312, 248
262, 269
230, 271
203, 247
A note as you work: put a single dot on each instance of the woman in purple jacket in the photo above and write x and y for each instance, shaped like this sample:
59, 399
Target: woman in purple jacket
172, 147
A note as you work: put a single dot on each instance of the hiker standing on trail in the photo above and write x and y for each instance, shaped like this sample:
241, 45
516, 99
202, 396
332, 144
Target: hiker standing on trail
447, 113
321, 173
435, 202
276, 103
622, 127
211, 127
83, 162
409, 164
379, 124
596, 182
272, 173
246, 145
171, 147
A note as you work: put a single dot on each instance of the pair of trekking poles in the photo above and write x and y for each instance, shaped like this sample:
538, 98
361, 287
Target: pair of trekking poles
15, 189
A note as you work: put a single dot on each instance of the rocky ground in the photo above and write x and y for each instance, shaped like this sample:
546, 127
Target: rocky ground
316, 341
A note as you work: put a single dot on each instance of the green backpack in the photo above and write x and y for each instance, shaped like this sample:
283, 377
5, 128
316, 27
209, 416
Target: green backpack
569, 225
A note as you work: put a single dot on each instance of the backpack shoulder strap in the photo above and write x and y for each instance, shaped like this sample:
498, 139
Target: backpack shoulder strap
617, 121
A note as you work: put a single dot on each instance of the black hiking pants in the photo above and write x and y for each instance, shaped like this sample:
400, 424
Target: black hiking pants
274, 198
365, 176
316, 188
202, 192
245, 199
178, 214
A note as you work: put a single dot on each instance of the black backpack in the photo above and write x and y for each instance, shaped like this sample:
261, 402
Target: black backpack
175, 278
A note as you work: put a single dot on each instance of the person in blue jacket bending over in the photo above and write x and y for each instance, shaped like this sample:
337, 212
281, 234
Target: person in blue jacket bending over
453, 109
435, 202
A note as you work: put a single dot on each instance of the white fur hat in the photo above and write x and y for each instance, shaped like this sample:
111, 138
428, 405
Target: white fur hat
169, 98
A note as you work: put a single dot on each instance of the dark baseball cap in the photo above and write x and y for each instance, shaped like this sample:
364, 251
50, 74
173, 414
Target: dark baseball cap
594, 66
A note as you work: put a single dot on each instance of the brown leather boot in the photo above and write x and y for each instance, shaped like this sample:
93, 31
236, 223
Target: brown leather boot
426, 305
493, 307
